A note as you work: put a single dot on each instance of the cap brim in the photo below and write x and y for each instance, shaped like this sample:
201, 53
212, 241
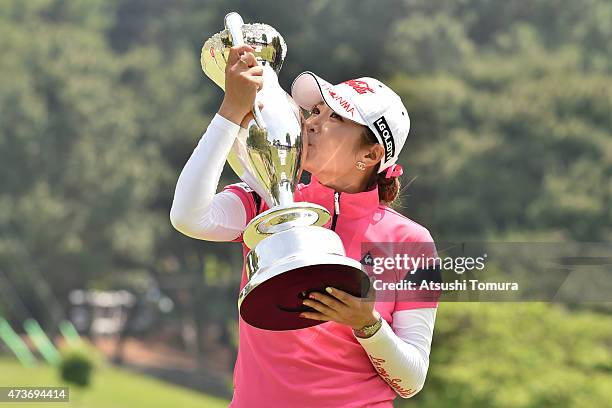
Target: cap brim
308, 89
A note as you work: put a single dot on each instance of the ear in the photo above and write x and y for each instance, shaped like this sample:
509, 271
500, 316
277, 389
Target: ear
372, 154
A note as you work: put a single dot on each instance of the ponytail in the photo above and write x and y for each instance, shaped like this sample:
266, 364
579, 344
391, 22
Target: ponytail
388, 188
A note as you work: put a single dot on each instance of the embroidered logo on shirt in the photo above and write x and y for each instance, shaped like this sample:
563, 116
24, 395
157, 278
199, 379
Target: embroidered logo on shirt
393, 383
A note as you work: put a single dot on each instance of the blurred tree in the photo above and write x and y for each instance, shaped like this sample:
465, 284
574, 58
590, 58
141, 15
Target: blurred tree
527, 355
531, 140
86, 142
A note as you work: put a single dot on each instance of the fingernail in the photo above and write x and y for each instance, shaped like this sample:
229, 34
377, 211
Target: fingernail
312, 296
301, 314
328, 289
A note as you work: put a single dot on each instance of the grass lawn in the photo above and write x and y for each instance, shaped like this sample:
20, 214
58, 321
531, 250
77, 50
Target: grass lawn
111, 388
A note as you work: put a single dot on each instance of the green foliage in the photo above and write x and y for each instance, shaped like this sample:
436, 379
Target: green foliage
528, 134
78, 364
84, 135
518, 355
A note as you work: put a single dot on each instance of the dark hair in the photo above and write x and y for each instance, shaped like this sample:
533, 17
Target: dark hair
388, 188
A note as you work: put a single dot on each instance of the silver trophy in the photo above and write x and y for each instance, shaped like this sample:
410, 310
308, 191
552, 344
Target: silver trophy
291, 254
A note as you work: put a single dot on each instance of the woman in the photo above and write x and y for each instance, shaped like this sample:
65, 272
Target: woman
366, 352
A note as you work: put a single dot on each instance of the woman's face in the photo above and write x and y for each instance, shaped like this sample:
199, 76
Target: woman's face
333, 145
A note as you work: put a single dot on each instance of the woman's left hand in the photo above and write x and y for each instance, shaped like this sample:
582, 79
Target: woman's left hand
341, 307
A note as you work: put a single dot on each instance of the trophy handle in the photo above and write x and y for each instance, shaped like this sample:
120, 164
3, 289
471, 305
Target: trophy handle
233, 24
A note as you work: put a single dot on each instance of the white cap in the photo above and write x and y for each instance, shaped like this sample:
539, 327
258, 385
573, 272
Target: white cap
366, 101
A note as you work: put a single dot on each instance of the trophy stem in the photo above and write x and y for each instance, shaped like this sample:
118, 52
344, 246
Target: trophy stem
281, 218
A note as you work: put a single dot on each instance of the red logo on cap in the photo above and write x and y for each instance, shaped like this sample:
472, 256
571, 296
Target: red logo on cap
360, 87
341, 101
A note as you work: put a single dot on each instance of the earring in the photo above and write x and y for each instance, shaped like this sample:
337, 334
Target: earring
360, 165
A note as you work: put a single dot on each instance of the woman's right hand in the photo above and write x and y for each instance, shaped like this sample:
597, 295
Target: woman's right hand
243, 78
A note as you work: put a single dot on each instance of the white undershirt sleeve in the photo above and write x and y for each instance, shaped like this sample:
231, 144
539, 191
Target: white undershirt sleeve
196, 210
400, 354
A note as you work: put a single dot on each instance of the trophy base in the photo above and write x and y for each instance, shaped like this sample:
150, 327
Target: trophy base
282, 218
284, 268
276, 303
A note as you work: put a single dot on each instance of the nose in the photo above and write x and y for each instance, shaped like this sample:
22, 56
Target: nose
313, 124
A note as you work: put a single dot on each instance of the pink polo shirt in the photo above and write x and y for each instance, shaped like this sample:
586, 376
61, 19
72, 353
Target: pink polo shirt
322, 366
